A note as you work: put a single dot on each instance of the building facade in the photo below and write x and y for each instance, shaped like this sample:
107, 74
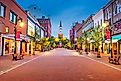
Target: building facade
112, 15
98, 19
9, 20
86, 27
46, 23
74, 32
76, 27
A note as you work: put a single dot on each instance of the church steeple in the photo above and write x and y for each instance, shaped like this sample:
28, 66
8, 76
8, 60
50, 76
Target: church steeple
60, 27
60, 24
60, 35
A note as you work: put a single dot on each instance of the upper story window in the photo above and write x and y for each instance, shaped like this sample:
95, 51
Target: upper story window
117, 8
2, 10
13, 17
101, 22
98, 24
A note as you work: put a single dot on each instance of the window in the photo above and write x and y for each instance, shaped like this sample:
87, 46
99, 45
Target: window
6, 29
95, 25
2, 10
120, 8
98, 24
13, 17
101, 22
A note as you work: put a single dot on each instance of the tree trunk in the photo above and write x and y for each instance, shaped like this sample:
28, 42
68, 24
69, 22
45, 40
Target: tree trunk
98, 53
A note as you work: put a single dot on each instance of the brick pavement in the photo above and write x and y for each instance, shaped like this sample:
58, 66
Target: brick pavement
103, 59
7, 63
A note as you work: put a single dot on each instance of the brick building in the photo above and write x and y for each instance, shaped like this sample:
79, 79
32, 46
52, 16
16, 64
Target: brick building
46, 23
112, 15
10, 15
74, 32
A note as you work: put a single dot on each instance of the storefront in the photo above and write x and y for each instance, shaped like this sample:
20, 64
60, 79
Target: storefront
31, 34
0, 45
106, 47
7, 44
116, 44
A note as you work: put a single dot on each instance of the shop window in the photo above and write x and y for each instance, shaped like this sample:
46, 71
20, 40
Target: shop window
13, 17
6, 48
25, 47
2, 10
119, 47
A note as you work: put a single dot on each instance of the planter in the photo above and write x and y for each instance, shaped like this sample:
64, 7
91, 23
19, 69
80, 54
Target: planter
98, 55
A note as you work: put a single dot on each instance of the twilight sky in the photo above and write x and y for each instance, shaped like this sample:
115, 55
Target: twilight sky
68, 11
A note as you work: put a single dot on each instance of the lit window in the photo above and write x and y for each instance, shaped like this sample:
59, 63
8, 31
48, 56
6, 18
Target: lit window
119, 8
13, 17
2, 10
6, 29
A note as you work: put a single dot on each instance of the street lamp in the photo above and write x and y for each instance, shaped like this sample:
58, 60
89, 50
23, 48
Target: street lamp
110, 29
104, 25
21, 24
75, 43
88, 39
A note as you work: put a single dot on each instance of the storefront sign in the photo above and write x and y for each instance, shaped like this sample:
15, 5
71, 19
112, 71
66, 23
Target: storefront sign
108, 36
18, 35
117, 28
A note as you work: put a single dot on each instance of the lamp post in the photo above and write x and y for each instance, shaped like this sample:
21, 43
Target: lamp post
106, 24
75, 43
21, 24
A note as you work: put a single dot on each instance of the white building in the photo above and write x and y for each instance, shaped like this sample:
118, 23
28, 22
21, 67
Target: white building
98, 18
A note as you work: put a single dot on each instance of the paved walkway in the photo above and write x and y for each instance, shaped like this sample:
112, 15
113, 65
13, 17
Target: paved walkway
7, 63
103, 59
62, 65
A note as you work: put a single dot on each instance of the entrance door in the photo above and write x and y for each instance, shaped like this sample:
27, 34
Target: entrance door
119, 47
29, 48
2, 46
115, 48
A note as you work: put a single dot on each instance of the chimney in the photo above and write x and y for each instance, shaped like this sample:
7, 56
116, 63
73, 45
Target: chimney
43, 17
82, 21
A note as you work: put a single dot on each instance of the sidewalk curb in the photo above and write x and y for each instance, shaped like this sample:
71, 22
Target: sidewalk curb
102, 63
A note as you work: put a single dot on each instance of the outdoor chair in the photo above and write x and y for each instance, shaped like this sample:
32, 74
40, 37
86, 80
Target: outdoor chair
110, 59
116, 60
14, 57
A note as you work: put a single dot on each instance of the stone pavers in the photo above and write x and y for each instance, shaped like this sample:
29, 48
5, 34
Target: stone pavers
7, 63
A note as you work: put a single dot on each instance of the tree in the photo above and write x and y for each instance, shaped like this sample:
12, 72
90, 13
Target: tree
97, 36
36, 38
42, 41
80, 41
85, 38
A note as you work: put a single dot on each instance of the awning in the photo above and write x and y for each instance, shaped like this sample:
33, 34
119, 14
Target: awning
116, 38
119, 40
24, 41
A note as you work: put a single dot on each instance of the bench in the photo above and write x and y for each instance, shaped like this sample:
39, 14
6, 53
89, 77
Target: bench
14, 57
17, 57
114, 60
20, 57
110, 59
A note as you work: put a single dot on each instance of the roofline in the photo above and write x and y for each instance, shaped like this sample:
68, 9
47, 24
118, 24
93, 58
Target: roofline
108, 4
19, 6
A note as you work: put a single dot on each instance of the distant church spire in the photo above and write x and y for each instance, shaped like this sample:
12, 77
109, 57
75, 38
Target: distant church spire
60, 35
60, 27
